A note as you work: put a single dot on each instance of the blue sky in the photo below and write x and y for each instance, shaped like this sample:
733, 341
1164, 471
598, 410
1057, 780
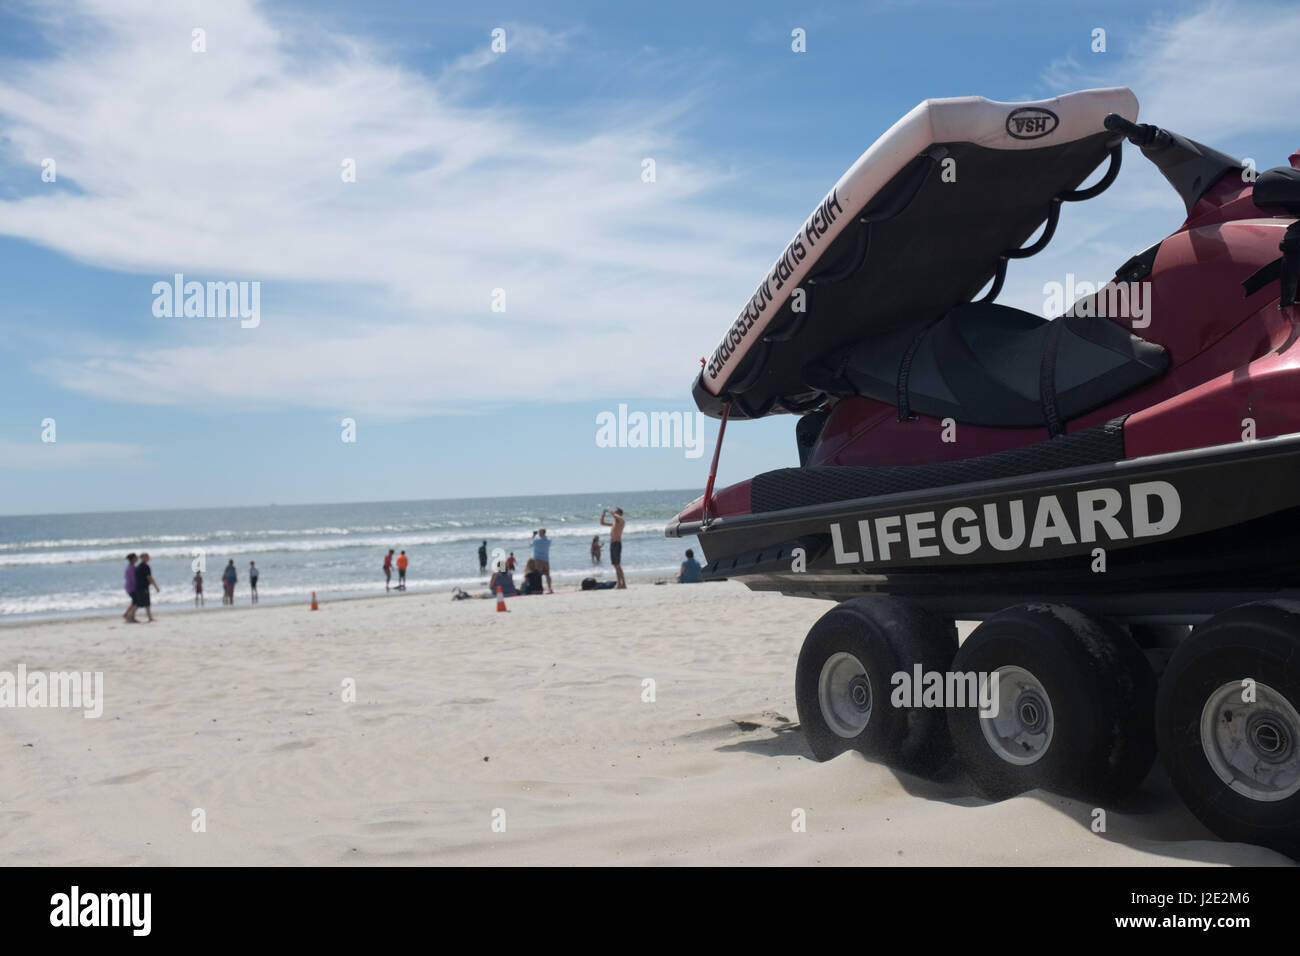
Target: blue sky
479, 171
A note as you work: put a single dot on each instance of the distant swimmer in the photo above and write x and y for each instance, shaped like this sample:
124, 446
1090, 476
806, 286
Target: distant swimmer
482, 557
401, 571
542, 555
615, 527
253, 575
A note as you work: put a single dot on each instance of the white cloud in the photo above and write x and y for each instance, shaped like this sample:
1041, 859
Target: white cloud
1220, 75
532, 41
1226, 69
37, 455
227, 163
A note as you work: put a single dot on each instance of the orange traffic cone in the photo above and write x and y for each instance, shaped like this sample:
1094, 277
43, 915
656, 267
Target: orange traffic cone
501, 601
314, 605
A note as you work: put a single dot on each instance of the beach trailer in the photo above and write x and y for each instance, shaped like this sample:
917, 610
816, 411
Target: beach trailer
1112, 491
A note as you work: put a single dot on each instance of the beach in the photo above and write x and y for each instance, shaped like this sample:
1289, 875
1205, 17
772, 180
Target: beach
475, 737
70, 565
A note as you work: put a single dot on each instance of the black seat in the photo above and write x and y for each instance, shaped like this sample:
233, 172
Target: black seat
983, 364
1279, 188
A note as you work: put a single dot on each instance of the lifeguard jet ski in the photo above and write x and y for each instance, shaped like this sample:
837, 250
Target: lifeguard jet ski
1090, 486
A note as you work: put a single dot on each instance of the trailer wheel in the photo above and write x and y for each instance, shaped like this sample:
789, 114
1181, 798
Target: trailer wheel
844, 680
1228, 722
1073, 705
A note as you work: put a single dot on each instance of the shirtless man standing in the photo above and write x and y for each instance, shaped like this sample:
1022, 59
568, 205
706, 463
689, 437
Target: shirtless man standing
615, 542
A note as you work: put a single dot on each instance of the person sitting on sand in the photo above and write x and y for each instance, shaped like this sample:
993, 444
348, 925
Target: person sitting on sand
198, 589
691, 572
595, 550
532, 578
504, 580
615, 525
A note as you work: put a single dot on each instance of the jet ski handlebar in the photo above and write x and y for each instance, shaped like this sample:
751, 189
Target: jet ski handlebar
1139, 134
1188, 166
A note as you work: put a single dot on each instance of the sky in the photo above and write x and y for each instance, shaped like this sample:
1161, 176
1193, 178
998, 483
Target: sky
497, 273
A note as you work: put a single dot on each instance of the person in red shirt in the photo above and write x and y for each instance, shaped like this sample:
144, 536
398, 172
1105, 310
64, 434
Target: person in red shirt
401, 571
388, 569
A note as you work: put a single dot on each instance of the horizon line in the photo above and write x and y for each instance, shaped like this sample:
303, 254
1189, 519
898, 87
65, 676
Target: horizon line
312, 504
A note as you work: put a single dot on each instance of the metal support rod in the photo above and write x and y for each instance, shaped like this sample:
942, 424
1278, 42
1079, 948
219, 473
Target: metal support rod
713, 468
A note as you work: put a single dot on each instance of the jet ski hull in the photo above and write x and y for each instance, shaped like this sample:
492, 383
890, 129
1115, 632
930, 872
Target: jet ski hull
1175, 536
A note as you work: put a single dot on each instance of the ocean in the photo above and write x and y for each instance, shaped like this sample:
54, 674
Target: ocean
71, 565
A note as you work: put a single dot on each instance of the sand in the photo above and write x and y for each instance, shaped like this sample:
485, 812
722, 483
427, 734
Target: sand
485, 738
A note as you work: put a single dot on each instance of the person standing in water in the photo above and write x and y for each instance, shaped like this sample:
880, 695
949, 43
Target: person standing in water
129, 581
615, 542
482, 557
198, 589
229, 577
401, 571
388, 570
253, 575
595, 550
144, 578
542, 555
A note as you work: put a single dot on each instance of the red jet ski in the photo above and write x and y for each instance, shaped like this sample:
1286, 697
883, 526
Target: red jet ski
1113, 492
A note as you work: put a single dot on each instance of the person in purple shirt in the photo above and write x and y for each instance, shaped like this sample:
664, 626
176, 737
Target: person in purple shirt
129, 614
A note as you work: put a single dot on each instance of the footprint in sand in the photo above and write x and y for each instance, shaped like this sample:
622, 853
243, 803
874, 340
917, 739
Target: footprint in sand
133, 777
389, 825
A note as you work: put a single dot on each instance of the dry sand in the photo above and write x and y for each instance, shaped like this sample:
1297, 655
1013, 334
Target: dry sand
461, 712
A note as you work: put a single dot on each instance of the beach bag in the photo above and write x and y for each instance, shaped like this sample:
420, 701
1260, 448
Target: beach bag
589, 584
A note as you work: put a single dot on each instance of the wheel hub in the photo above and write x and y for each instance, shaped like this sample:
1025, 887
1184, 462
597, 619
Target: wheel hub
1251, 745
844, 693
1021, 733
1270, 738
1032, 712
860, 693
